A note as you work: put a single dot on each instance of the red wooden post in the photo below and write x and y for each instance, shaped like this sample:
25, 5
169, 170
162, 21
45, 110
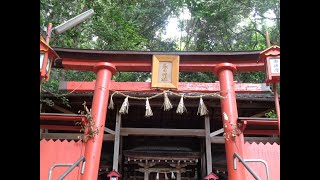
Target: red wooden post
276, 100
104, 73
229, 112
48, 33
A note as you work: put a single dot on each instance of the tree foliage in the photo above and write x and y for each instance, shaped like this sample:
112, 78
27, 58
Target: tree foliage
219, 25
230, 25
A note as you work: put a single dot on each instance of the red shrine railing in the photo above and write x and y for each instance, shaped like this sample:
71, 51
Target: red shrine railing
270, 153
60, 152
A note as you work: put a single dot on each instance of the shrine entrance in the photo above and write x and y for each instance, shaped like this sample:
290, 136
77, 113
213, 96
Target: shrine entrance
163, 162
165, 146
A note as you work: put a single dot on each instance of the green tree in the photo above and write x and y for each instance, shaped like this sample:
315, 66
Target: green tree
231, 25
227, 25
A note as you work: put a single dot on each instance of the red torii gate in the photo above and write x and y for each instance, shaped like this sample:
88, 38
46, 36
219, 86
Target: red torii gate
106, 63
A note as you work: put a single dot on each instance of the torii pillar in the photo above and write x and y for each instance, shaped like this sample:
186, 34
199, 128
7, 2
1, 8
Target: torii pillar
225, 72
104, 73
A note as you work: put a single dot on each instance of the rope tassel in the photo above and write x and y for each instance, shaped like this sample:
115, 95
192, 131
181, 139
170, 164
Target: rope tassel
148, 109
202, 109
181, 108
166, 104
165, 176
111, 103
172, 176
125, 106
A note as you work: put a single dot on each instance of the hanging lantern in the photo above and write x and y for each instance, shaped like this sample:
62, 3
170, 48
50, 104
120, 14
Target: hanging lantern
47, 56
271, 59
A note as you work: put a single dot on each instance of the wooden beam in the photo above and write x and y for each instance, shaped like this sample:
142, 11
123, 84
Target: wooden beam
146, 86
72, 136
217, 132
217, 140
261, 122
179, 171
116, 142
191, 87
59, 127
220, 139
262, 113
109, 131
110, 137
68, 136
203, 159
261, 132
162, 132
121, 170
146, 173
208, 144
61, 117
61, 109
263, 139
186, 160
258, 121
209, 101
162, 169
143, 63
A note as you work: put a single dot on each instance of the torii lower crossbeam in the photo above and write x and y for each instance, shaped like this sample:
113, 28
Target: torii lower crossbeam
146, 86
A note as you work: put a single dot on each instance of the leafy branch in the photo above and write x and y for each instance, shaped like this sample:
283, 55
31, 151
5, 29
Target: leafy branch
88, 124
49, 102
271, 114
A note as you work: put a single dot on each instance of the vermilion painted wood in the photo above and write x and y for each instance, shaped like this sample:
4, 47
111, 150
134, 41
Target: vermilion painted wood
146, 65
61, 118
142, 63
104, 73
262, 132
276, 100
225, 72
53, 152
261, 122
269, 153
58, 127
146, 86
